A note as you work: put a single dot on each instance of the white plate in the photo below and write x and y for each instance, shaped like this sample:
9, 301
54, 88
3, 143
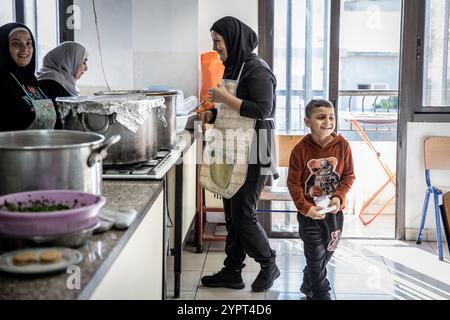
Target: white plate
70, 257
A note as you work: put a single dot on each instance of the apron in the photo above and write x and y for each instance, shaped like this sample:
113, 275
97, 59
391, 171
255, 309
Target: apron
226, 154
45, 114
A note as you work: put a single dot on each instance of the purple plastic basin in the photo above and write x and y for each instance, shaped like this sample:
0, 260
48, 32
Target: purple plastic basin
31, 224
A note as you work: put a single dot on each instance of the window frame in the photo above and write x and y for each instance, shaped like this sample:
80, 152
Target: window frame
64, 33
19, 11
420, 112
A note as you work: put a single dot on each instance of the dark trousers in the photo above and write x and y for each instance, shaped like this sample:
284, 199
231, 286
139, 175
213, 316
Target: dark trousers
320, 238
245, 234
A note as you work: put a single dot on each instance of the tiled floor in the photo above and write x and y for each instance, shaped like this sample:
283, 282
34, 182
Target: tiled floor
359, 270
383, 226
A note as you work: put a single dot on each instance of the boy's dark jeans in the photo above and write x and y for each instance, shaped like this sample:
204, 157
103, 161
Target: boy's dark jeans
245, 234
320, 240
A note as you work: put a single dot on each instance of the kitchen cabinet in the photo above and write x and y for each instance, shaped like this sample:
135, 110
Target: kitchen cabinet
138, 271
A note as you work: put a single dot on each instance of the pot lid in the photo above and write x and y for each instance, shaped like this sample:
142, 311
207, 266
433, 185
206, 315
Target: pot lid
131, 92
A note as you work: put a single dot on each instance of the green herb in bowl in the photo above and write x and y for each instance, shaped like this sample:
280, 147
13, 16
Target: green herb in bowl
44, 205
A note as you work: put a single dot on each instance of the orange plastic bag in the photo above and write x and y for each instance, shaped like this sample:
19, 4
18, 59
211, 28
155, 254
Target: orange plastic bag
212, 73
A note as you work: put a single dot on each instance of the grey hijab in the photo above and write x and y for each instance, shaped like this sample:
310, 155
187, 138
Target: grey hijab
61, 64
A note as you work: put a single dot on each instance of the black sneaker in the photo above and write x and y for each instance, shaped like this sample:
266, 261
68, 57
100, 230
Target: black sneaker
266, 277
226, 278
326, 296
310, 296
306, 291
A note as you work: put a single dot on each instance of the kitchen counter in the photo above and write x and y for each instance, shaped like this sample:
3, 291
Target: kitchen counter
99, 254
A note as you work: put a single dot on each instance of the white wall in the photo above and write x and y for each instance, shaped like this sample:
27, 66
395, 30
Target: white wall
415, 177
212, 10
143, 43
165, 38
114, 20
155, 42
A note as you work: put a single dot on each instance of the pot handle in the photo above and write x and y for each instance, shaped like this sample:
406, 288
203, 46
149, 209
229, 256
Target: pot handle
86, 127
100, 153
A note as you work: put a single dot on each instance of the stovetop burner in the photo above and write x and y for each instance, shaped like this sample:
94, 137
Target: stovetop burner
153, 169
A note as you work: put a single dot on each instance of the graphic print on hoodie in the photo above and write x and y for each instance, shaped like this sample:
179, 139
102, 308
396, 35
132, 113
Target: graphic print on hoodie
324, 179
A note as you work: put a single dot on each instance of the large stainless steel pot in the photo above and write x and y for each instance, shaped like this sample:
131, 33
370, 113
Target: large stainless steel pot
46, 159
166, 120
167, 129
134, 147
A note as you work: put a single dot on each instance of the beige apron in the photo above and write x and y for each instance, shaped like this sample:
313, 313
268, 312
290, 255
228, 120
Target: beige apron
226, 153
45, 114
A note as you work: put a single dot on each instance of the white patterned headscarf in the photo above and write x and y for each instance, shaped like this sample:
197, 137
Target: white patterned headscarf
61, 65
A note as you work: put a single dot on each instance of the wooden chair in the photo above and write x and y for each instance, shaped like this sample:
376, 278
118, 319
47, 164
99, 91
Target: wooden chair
437, 157
285, 144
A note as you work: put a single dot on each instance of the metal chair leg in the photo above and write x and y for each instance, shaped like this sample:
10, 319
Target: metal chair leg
424, 215
438, 224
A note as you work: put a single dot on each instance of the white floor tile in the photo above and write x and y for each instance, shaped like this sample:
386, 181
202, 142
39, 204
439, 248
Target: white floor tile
214, 261
444, 249
184, 295
276, 295
369, 269
291, 263
189, 280
288, 282
357, 265
206, 294
361, 283
218, 246
190, 261
343, 296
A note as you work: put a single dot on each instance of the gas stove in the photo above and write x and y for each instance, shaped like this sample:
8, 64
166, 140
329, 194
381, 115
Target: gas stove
154, 169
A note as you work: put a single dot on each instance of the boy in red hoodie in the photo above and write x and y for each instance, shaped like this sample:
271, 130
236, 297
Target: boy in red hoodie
320, 168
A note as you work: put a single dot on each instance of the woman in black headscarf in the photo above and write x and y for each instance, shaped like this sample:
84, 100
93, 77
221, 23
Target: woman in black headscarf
24, 106
255, 97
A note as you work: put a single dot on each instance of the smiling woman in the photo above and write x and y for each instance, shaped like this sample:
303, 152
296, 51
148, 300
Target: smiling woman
26, 106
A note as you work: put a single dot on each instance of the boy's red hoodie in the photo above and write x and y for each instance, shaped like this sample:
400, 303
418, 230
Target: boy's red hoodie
316, 171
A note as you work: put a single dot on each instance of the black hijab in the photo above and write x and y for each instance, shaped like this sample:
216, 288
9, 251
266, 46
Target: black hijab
240, 41
25, 75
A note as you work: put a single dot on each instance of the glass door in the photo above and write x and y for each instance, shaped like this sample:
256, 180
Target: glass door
364, 88
348, 52
301, 65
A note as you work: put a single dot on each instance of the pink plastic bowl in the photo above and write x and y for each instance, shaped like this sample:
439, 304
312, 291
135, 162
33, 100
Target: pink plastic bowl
32, 224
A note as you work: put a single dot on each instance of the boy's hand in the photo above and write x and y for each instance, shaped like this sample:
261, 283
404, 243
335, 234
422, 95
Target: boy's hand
335, 201
313, 213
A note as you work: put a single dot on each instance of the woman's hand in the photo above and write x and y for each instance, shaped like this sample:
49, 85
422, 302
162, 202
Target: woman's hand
313, 213
219, 94
205, 117
335, 201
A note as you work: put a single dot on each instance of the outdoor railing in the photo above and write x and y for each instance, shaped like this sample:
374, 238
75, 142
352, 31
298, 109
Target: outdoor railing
368, 101
350, 101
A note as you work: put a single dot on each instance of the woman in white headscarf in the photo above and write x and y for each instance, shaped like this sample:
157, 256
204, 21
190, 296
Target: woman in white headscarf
61, 69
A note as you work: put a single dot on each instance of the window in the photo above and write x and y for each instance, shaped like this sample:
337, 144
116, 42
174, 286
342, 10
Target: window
42, 18
436, 80
301, 41
6, 11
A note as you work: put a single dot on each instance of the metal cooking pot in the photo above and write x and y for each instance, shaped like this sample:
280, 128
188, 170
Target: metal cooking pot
167, 130
47, 159
134, 147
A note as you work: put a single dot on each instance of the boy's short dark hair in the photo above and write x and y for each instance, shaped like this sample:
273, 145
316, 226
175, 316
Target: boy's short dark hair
316, 103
